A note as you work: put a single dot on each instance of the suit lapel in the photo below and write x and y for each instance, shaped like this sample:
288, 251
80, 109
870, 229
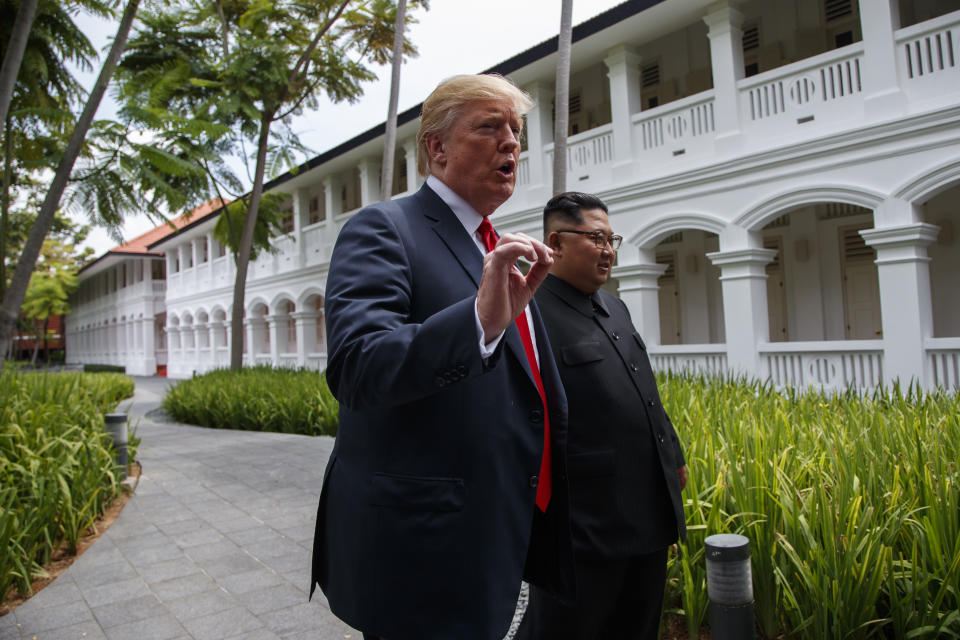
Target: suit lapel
448, 227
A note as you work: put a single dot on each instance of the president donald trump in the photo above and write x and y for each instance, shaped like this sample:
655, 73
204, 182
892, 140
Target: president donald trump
447, 481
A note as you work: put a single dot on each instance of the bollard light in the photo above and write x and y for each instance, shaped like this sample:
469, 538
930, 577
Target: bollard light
730, 587
116, 424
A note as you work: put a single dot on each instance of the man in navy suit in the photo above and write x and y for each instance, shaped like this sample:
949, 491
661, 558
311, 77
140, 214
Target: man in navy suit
439, 495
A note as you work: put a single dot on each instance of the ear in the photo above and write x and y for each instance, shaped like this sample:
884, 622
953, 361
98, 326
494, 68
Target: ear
553, 241
436, 149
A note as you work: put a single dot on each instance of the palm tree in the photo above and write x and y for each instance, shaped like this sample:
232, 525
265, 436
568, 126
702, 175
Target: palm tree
13, 297
561, 104
390, 136
45, 90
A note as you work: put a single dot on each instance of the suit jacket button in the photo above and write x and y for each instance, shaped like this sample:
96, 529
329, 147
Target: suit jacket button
533, 481
652, 403
536, 415
616, 336
462, 370
633, 367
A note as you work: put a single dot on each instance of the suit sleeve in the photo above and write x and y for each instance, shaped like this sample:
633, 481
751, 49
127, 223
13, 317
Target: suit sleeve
378, 356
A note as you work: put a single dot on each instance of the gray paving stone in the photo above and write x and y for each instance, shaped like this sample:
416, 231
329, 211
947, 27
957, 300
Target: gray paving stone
141, 557
289, 562
247, 581
94, 576
201, 604
185, 586
89, 630
34, 620
251, 535
224, 624
259, 634
239, 562
115, 592
191, 522
206, 535
168, 569
304, 617
280, 596
61, 591
8, 628
163, 627
116, 613
212, 551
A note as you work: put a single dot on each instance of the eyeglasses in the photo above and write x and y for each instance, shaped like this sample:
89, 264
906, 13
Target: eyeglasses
599, 238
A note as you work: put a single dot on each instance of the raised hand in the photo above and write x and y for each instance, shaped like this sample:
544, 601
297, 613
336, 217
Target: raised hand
504, 290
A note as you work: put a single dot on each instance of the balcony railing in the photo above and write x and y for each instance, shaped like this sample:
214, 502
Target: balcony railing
833, 365
587, 150
707, 359
807, 90
943, 355
677, 123
928, 54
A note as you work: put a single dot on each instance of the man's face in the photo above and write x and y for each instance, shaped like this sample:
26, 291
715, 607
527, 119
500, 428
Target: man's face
477, 157
576, 257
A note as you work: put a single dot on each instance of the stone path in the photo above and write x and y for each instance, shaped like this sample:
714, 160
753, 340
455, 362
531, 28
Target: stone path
214, 545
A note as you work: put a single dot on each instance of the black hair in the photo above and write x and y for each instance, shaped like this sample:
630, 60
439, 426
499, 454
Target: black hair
569, 207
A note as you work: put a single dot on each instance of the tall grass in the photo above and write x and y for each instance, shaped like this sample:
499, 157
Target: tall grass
851, 505
256, 399
57, 470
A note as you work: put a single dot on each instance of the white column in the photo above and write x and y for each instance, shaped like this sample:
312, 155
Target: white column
623, 66
149, 346
883, 97
251, 326
272, 322
539, 135
174, 352
306, 339
301, 218
369, 181
216, 330
903, 269
744, 283
726, 60
334, 207
640, 291
410, 157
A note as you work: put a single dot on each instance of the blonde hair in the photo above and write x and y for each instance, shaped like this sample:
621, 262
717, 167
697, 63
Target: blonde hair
443, 105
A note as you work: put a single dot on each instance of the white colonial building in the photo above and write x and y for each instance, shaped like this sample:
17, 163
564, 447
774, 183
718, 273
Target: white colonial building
785, 173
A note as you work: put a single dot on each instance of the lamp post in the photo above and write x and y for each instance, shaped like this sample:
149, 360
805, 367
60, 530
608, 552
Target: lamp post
116, 425
729, 586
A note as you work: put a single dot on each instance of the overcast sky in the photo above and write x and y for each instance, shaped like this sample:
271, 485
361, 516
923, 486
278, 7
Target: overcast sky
455, 36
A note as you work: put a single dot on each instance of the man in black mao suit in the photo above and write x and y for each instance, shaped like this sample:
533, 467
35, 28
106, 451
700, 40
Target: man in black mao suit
427, 519
625, 466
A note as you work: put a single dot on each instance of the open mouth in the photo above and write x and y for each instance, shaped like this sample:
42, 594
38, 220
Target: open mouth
603, 267
507, 168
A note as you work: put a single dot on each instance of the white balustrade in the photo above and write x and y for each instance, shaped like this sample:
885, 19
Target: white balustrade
809, 88
943, 355
833, 365
315, 244
678, 121
317, 361
706, 359
587, 150
523, 170
930, 48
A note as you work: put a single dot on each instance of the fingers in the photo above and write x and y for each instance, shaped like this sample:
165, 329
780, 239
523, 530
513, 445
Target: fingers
513, 246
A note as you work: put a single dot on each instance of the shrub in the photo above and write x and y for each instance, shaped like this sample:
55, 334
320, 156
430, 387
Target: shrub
851, 505
256, 399
104, 368
57, 471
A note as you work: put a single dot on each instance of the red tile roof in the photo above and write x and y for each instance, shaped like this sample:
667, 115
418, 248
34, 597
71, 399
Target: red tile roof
141, 242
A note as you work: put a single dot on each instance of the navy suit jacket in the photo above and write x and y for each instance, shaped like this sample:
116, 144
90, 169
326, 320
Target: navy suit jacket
426, 522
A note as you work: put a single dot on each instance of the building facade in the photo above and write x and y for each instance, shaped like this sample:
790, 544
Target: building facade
785, 174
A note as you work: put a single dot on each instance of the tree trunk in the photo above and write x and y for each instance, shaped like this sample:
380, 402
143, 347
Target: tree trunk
46, 342
5, 205
562, 101
243, 254
36, 346
13, 298
390, 138
14, 56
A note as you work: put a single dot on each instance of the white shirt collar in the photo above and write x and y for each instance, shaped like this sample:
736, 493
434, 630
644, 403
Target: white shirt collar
466, 214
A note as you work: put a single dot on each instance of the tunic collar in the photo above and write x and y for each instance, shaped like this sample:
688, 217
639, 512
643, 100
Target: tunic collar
588, 305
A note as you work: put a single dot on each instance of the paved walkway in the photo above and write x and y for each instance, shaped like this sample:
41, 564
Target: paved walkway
214, 545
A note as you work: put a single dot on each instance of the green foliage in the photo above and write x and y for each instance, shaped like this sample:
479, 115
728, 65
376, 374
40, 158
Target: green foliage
851, 505
257, 399
57, 471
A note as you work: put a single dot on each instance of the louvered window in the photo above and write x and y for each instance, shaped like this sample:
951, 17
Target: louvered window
854, 247
669, 259
650, 75
751, 38
836, 9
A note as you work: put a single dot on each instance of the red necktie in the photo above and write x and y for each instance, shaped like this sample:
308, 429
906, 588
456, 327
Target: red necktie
544, 484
